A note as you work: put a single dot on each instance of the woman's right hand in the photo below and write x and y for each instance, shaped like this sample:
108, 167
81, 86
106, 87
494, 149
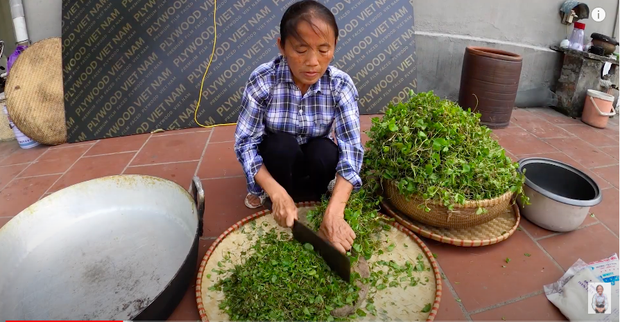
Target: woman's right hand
284, 209
282, 205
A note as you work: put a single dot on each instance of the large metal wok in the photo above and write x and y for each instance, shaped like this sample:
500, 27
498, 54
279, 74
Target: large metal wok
115, 248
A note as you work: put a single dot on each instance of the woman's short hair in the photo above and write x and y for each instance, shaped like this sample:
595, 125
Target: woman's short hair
305, 10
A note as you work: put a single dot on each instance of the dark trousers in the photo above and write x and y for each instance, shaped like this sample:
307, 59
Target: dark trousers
304, 171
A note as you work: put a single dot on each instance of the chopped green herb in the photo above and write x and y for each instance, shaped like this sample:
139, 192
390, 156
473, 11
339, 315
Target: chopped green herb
254, 290
527, 254
427, 308
370, 307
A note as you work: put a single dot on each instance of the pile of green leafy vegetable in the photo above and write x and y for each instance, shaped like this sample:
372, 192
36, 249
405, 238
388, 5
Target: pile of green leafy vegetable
434, 149
284, 280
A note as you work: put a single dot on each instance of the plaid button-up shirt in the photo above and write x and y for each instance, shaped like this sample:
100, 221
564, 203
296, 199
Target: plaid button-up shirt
272, 101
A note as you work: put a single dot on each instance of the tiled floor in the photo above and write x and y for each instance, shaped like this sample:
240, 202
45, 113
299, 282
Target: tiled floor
478, 287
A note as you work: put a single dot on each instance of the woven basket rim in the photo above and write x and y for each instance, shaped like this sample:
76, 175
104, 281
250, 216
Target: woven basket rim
415, 227
468, 203
239, 224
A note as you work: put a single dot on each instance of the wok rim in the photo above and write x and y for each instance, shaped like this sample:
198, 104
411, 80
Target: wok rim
76, 186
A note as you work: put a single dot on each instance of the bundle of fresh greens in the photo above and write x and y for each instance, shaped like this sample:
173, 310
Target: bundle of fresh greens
433, 149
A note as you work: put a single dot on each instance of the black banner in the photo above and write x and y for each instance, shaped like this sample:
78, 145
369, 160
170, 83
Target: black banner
134, 66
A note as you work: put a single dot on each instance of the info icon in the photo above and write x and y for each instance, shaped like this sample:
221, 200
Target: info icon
598, 14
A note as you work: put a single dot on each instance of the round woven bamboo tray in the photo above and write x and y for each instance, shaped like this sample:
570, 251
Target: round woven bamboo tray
492, 232
400, 304
34, 93
462, 216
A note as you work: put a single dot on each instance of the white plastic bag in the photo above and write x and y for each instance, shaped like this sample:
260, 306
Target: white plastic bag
570, 294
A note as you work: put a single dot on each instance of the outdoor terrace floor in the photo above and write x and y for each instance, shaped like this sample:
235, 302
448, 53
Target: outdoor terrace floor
477, 287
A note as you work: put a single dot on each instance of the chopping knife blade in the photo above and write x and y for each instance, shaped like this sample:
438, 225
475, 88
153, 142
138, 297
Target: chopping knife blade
336, 260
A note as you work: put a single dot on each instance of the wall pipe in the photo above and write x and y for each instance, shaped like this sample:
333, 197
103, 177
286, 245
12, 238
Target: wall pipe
615, 32
19, 21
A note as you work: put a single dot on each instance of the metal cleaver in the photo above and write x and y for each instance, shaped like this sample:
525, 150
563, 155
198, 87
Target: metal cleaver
337, 261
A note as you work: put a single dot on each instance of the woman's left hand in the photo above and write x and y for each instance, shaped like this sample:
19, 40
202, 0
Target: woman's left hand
337, 231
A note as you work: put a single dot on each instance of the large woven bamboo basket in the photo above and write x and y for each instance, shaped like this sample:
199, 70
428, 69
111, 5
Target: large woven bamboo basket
462, 216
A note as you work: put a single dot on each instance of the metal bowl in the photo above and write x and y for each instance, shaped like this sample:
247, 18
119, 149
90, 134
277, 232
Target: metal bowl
560, 195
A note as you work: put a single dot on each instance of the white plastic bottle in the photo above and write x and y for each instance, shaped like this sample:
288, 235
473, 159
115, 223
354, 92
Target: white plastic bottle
576, 39
23, 141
